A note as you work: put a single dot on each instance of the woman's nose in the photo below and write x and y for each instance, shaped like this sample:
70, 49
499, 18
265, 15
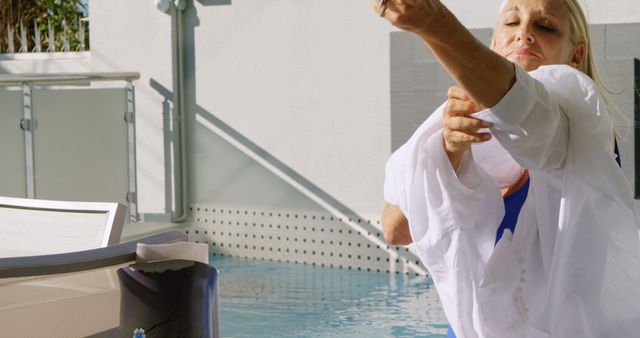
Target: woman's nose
525, 34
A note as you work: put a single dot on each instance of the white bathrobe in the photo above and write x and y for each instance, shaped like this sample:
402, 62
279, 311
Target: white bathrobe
572, 268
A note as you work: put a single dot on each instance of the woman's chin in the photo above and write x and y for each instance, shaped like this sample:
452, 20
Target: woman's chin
528, 64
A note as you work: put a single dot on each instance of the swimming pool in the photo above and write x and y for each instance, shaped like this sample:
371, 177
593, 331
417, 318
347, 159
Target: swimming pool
260, 298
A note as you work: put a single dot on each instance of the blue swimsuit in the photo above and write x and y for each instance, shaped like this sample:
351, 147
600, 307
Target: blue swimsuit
512, 205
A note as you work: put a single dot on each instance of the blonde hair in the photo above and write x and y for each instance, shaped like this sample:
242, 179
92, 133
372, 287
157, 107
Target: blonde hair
580, 34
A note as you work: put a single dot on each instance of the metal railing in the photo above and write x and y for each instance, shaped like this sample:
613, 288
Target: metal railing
28, 125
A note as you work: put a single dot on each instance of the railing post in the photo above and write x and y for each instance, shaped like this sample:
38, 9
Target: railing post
27, 125
66, 46
52, 37
24, 42
10, 45
37, 40
130, 117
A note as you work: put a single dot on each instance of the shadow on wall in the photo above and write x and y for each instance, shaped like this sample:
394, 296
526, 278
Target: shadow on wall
214, 2
225, 166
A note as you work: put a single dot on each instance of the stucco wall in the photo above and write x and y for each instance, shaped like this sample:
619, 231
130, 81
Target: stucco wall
307, 82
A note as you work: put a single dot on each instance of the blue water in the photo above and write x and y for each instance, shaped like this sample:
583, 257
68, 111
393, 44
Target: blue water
269, 299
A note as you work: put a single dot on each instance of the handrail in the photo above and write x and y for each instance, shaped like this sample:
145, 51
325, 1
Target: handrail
65, 78
12, 267
28, 123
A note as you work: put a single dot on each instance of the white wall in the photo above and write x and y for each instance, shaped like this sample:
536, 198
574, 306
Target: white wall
306, 80
131, 35
45, 63
309, 86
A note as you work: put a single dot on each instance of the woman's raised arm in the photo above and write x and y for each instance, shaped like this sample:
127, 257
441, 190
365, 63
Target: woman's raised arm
484, 74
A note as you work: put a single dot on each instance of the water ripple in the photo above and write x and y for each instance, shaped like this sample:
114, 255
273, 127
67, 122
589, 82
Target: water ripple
268, 299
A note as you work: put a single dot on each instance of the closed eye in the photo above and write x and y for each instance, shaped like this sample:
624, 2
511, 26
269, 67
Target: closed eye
546, 28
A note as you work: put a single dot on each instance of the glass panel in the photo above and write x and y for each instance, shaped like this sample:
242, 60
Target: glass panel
636, 120
81, 144
12, 158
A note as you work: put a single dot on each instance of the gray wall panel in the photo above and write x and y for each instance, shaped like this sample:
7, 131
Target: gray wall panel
12, 158
484, 35
598, 40
402, 121
420, 51
622, 40
424, 88
617, 76
401, 46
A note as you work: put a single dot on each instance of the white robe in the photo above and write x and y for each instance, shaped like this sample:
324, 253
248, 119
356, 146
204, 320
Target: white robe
572, 268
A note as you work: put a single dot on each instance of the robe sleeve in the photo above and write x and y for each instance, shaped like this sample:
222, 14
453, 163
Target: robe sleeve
529, 123
452, 217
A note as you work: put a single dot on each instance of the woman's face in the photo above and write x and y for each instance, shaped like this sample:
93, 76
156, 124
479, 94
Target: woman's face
533, 33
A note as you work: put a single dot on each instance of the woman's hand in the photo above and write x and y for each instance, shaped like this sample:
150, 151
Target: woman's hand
418, 16
486, 75
459, 129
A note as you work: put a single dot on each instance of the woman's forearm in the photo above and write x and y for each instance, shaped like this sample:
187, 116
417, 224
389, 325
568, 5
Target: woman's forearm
485, 75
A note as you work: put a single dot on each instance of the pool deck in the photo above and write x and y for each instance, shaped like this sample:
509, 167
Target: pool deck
135, 231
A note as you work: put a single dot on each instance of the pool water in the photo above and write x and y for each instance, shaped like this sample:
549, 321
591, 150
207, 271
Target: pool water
269, 299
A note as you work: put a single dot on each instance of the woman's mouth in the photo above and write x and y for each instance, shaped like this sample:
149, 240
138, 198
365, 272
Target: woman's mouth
523, 52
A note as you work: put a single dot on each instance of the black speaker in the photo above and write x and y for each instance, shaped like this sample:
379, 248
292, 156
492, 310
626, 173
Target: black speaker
172, 298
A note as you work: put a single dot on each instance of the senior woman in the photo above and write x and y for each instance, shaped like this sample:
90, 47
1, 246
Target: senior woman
568, 265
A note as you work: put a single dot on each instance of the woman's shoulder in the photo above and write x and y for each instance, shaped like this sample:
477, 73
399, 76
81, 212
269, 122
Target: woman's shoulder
578, 97
564, 78
558, 69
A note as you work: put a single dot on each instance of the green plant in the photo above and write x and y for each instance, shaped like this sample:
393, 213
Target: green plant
13, 12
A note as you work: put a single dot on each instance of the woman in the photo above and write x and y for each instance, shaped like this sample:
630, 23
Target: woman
571, 268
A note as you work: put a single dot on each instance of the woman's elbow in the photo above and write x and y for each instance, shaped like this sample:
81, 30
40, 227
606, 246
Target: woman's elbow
395, 226
397, 239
